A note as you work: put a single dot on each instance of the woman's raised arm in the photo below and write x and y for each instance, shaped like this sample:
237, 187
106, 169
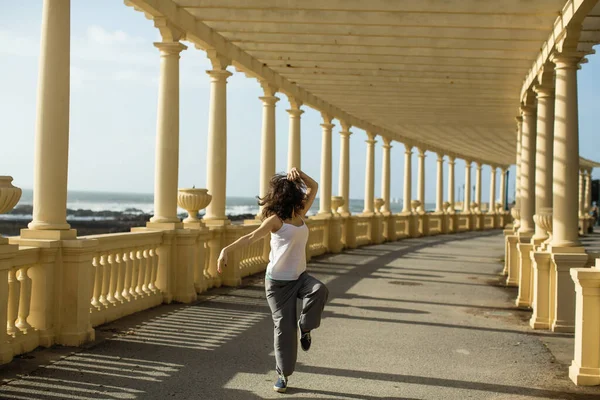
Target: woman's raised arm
311, 188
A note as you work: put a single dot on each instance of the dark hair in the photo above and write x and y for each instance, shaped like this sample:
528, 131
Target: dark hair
284, 197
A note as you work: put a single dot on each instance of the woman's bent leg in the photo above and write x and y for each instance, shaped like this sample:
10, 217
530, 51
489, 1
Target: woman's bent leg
314, 295
282, 301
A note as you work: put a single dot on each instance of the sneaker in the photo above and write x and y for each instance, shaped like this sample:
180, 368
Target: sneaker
305, 339
281, 384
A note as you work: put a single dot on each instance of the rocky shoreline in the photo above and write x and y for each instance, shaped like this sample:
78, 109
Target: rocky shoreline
88, 222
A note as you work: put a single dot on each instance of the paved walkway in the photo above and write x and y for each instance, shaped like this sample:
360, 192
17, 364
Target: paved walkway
416, 319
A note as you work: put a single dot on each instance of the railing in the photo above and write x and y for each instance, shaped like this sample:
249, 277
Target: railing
363, 230
401, 226
463, 222
317, 237
125, 275
16, 300
435, 224
254, 258
489, 221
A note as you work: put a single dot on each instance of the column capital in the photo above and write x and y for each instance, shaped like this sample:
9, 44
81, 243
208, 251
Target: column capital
269, 100
544, 91
408, 148
295, 104
327, 119
421, 152
329, 127
218, 75
345, 126
371, 138
294, 112
451, 160
268, 89
528, 110
218, 61
345, 133
478, 165
387, 142
440, 157
468, 163
170, 48
168, 31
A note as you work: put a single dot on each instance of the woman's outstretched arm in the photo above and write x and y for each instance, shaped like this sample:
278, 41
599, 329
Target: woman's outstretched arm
270, 224
311, 188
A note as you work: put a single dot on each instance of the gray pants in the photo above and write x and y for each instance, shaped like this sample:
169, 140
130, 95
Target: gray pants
282, 296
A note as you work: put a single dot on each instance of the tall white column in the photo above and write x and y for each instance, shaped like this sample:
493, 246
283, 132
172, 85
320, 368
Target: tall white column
439, 199
566, 154
52, 124
344, 173
216, 159
503, 171
294, 147
492, 207
527, 191
544, 152
167, 136
588, 190
478, 167
268, 137
325, 184
581, 192
421, 180
406, 206
385, 175
451, 189
467, 193
519, 120
370, 175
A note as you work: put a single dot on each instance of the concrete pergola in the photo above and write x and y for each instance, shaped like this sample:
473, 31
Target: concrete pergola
493, 83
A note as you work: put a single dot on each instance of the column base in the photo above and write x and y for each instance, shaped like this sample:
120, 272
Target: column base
563, 326
584, 376
42, 234
563, 316
217, 222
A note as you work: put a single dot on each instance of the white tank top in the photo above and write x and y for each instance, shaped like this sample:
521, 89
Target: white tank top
287, 259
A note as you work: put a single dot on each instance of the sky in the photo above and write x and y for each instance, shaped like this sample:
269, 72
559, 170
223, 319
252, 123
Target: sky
114, 95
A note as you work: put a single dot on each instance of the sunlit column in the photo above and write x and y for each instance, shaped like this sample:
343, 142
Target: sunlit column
268, 137
566, 153
167, 135
588, 189
421, 180
344, 173
294, 154
325, 184
451, 189
52, 124
216, 158
467, 191
478, 167
439, 200
581, 191
406, 207
503, 187
492, 207
385, 175
527, 191
519, 120
370, 174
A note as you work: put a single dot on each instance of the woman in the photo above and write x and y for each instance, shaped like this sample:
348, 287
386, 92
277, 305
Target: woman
284, 209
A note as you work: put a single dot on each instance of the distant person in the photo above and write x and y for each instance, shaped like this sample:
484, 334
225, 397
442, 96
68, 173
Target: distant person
595, 213
284, 211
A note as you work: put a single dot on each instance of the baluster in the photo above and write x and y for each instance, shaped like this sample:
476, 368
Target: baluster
121, 267
128, 270
97, 282
112, 278
24, 300
141, 272
148, 271
13, 302
105, 279
135, 270
154, 274
206, 263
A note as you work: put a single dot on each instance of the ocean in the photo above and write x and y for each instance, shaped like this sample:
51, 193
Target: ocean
135, 204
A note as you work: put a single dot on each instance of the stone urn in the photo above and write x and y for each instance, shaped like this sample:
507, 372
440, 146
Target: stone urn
474, 208
9, 194
336, 203
414, 204
543, 219
516, 214
499, 208
446, 207
379, 202
193, 200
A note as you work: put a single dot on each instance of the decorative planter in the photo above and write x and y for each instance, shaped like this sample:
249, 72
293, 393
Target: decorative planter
379, 202
543, 219
193, 200
499, 208
9, 194
415, 204
336, 202
446, 207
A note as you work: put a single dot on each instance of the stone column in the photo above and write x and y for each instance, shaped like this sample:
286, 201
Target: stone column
370, 175
216, 159
544, 155
344, 174
566, 154
294, 153
527, 189
385, 175
451, 188
588, 191
467, 194
325, 184
52, 126
421, 181
492, 205
478, 167
406, 206
167, 137
268, 138
439, 200
581, 192
503, 188
519, 120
